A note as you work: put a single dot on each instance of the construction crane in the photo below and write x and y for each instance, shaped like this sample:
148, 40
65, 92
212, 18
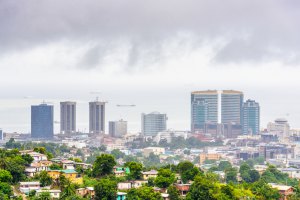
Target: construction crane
124, 105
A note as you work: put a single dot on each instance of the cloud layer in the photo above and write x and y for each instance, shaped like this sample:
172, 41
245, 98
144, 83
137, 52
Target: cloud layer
242, 31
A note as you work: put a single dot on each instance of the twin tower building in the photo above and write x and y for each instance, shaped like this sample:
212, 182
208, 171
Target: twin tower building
224, 107
42, 117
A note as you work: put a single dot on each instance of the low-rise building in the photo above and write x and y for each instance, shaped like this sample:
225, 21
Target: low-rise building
209, 156
156, 150
284, 190
54, 194
149, 174
26, 187
70, 174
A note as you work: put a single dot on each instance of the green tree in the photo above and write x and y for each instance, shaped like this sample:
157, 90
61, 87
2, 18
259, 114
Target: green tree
117, 153
164, 178
201, 189
224, 165
43, 196
102, 148
28, 158
231, 175
41, 150
55, 166
173, 193
106, 190
5, 188
103, 165
187, 171
143, 193
263, 191
45, 179
135, 170
5, 176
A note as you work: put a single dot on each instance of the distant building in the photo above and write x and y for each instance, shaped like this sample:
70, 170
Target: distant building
208, 156
97, 117
67, 117
117, 128
251, 117
153, 123
155, 150
204, 108
42, 121
281, 127
1, 135
168, 135
232, 130
231, 106
199, 114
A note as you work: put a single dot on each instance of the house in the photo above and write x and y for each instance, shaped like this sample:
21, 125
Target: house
156, 150
121, 195
26, 187
54, 194
165, 196
68, 164
86, 192
124, 185
208, 156
183, 188
149, 174
38, 166
70, 174
35, 155
284, 190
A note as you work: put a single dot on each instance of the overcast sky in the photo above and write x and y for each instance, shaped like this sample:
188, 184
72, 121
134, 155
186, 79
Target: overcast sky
149, 53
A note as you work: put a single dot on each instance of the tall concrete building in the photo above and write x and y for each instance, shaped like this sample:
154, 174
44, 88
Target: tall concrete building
42, 121
153, 123
117, 128
97, 117
251, 117
231, 106
67, 117
1, 134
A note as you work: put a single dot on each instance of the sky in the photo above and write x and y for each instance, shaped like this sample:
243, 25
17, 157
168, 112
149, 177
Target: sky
148, 53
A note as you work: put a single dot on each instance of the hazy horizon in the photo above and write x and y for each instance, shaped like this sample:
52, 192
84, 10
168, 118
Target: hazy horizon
147, 53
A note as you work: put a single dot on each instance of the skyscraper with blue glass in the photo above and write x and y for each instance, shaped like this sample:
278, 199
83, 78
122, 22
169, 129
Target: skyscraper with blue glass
204, 108
251, 117
199, 114
42, 121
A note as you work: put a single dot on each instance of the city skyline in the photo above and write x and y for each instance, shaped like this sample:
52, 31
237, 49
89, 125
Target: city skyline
133, 117
139, 54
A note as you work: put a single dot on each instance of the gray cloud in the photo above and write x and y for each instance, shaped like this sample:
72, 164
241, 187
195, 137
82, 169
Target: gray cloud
252, 30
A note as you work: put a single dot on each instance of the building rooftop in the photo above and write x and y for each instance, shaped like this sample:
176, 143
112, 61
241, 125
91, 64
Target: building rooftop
205, 92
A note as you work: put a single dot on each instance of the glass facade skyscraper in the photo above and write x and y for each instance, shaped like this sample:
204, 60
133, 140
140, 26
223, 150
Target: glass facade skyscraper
153, 123
42, 121
199, 114
231, 106
204, 108
251, 117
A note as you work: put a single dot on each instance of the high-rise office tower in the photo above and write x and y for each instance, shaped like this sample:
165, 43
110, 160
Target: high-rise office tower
97, 117
251, 117
67, 117
153, 123
204, 108
231, 106
117, 128
1, 134
199, 114
42, 121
